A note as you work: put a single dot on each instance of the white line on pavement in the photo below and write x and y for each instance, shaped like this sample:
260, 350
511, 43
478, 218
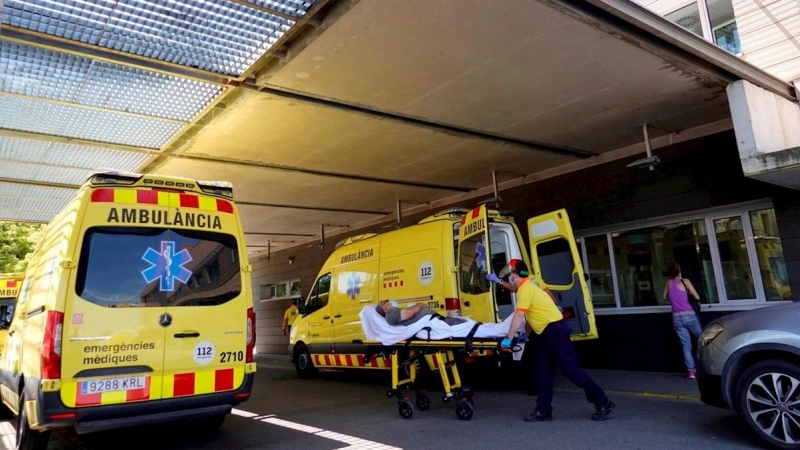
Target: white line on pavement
353, 443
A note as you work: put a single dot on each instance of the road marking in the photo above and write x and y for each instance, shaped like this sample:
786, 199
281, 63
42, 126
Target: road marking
352, 442
8, 435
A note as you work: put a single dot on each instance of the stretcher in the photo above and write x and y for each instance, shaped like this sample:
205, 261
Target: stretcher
439, 355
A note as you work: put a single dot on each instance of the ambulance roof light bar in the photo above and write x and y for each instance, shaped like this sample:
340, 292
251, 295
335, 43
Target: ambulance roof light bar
111, 176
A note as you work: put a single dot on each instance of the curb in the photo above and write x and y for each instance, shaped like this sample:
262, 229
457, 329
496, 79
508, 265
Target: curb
685, 397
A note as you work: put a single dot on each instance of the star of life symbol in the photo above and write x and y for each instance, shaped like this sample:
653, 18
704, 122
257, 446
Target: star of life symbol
166, 265
353, 286
480, 255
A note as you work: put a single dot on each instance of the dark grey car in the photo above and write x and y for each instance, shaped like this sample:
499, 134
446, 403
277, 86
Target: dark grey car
750, 362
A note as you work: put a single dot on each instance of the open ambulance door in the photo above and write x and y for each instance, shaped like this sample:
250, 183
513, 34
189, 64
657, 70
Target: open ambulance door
557, 266
474, 261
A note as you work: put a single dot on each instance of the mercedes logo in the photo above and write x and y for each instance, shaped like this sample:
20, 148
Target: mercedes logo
165, 320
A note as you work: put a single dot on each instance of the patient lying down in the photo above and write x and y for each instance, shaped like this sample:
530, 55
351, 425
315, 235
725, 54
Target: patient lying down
390, 325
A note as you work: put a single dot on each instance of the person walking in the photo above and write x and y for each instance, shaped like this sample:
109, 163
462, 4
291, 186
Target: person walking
684, 319
288, 317
553, 347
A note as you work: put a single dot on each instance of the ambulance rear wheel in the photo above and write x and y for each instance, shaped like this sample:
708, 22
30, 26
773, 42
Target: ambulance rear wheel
28, 439
423, 402
406, 410
303, 363
464, 411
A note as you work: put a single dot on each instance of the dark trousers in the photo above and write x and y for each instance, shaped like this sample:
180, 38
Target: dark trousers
554, 349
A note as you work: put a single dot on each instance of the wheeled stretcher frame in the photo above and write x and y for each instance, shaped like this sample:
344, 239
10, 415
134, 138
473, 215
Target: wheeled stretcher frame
441, 354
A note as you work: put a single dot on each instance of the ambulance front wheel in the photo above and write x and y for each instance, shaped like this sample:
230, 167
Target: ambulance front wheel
464, 411
303, 363
28, 439
406, 410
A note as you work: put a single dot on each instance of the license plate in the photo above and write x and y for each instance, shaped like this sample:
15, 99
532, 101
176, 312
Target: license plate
112, 384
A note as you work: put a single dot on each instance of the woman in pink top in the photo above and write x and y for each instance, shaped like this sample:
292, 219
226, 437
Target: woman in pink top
684, 319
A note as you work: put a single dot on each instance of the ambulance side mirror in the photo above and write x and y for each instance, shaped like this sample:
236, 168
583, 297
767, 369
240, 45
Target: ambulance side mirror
301, 306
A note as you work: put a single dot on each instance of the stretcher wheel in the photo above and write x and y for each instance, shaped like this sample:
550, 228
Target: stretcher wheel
406, 410
423, 402
464, 411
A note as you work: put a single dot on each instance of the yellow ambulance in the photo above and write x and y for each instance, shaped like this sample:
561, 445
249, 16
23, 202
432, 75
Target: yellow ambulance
442, 261
136, 308
9, 288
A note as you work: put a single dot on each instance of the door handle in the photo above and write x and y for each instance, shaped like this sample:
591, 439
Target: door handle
187, 334
11, 333
326, 317
466, 303
338, 316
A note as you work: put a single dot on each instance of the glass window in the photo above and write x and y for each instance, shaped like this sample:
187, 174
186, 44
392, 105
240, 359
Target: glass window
555, 261
319, 294
598, 262
295, 290
127, 266
472, 266
688, 17
770, 255
642, 255
733, 256
723, 25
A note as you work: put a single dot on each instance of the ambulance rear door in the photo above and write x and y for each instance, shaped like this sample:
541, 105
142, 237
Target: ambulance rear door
474, 259
207, 314
557, 266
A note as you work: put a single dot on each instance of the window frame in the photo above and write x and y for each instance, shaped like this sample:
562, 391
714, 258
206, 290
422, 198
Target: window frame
271, 291
742, 210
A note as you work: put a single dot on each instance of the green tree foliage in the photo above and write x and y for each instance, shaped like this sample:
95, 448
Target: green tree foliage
17, 242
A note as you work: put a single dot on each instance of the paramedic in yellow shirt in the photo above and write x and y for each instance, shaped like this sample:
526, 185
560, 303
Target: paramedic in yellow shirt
289, 316
553, 346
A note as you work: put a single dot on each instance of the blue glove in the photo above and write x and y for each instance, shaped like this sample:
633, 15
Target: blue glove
506, 343
493, 278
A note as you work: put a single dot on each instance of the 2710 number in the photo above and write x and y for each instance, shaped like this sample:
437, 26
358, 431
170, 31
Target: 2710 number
225, 357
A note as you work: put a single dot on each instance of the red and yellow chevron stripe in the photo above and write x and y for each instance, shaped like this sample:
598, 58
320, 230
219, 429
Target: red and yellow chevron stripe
390, 284
344, 360
160, 198
156, 387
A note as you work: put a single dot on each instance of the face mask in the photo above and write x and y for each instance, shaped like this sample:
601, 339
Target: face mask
394, 303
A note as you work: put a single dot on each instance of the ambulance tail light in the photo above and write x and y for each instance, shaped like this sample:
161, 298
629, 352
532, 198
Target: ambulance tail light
51, 347
452, 306
251, 334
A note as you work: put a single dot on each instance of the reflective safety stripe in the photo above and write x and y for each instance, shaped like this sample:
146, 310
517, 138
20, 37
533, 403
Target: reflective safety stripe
345, 360
160, 198
203, 382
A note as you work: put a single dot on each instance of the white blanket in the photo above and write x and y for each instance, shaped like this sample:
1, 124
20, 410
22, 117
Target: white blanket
377, 329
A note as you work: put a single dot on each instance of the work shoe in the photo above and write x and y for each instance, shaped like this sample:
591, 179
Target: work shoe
692, 374
603, 411
539, 416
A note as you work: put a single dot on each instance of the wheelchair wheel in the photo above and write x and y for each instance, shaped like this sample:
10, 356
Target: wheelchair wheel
423, 402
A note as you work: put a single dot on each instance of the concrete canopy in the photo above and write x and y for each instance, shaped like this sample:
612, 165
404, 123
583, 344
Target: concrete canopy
420, 101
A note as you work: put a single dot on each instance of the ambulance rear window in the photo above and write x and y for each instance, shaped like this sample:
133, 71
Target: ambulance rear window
141, 267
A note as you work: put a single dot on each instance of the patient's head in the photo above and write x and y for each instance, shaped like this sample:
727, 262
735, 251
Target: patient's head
382, 307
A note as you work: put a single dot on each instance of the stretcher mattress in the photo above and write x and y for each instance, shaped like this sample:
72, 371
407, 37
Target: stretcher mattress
377, 329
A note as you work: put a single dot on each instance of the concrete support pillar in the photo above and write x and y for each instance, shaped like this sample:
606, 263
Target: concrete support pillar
767, 129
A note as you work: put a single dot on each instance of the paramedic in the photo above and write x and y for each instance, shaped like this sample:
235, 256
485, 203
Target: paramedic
406, 316
289, 316
553, 347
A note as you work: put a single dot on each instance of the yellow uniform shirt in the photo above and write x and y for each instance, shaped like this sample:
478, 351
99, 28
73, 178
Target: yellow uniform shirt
290, 315
538, 307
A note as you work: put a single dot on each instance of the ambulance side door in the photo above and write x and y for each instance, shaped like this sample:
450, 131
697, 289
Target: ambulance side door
356, 287
319, 316
474, 261
557, 266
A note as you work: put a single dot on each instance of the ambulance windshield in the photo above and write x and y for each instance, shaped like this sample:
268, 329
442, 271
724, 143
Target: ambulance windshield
141, 267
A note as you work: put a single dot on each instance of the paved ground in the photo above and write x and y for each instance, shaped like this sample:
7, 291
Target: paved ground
350, 410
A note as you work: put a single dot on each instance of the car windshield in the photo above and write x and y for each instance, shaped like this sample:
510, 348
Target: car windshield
143, 267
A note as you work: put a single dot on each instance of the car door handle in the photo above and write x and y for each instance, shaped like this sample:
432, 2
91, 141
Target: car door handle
326, 317
187, 334
338, 316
